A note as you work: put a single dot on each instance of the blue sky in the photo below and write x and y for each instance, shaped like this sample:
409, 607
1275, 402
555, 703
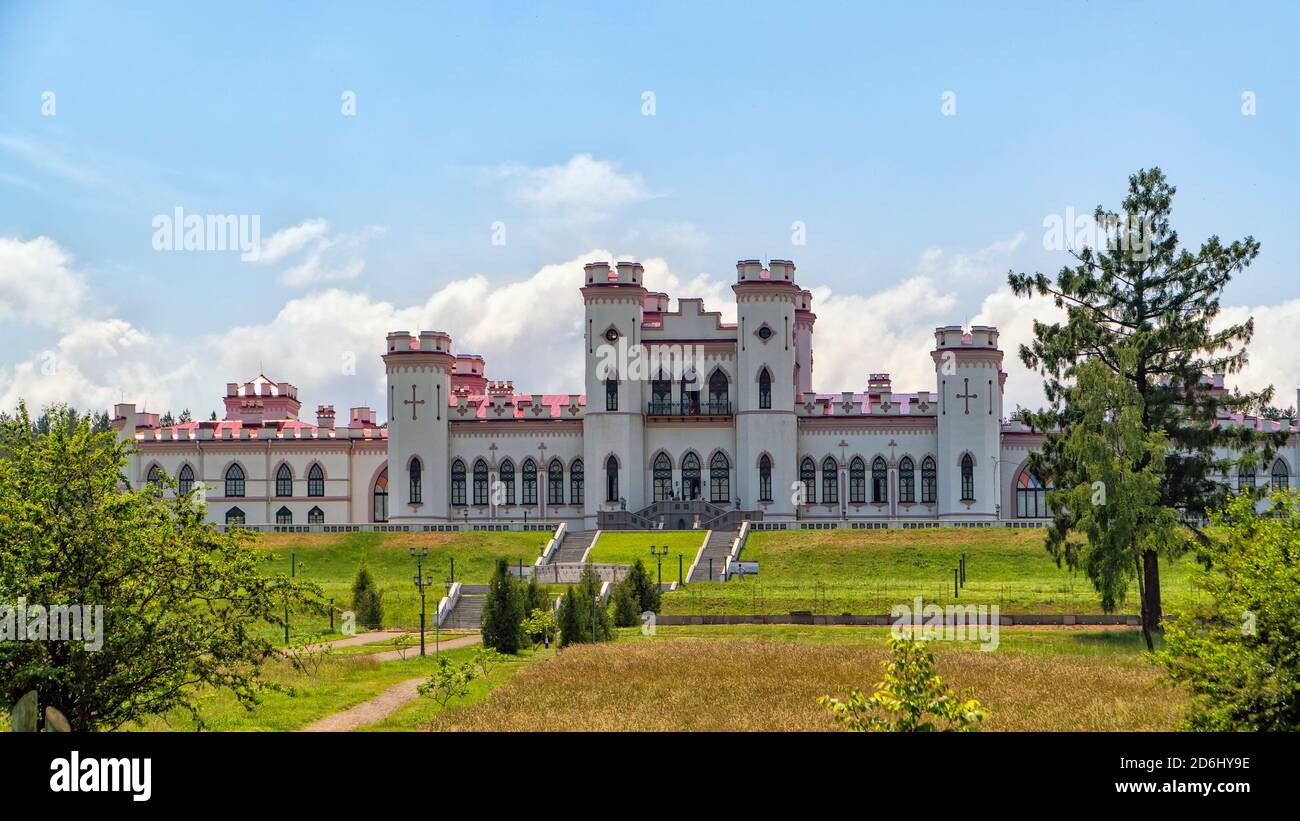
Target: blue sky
531, 115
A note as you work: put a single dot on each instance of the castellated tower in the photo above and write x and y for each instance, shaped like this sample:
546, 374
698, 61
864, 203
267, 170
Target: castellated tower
419, 381
614, 422
968, 369
768, 307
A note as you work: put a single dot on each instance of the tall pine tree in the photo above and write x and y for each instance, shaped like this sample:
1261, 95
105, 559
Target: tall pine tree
1146, 293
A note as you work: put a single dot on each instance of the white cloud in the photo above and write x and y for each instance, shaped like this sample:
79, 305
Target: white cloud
292, 240
38, 285
969, 267
582, 190
1271, 354
318, 256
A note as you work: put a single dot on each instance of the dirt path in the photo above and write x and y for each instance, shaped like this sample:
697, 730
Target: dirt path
387, 702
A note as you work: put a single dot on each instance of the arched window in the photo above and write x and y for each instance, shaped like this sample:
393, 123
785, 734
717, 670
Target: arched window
529, 490
235, 482
480, 482
661, 395
611, 479
234, 517
718, 402
808, 475
506, 476
830, 481
906, 480
155, 479
458, 482
380, 498
857, 481
764, 389
611, 394
284, 516
967, 478
719, 477
315, 516
575, 482
691, 487
316, 481
879, 480
185, 481
929, 481
555, 483
1281, 476
283, 481
764, 478
1245, 478
663, 478
416, 471
1031, 496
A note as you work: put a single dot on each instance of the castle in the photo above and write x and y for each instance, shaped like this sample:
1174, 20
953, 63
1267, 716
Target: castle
721, 426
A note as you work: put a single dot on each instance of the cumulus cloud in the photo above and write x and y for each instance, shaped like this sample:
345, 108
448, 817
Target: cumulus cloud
582, 190
1271, 354
38, 285
316, 255
969, 266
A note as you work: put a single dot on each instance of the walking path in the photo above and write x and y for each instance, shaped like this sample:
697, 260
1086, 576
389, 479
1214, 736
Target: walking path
387, 702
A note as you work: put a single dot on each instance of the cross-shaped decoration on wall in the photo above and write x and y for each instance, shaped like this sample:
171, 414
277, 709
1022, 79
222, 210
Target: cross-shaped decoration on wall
412, 402
493, 447
968, 396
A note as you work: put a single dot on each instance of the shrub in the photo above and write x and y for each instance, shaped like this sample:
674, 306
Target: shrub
645, 588
367, 601
627, 613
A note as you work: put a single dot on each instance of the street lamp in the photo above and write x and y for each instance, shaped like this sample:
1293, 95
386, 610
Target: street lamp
660, 556
421, 581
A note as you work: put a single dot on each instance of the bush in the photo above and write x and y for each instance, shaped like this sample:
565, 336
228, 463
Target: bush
503, 611
646, 589
580, 617
367, 601
627, 612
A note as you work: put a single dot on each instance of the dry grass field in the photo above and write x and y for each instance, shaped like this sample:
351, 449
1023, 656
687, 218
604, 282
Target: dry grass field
748, 685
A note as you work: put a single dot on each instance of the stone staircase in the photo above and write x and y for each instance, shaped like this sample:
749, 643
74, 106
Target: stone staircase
573, 547
468, 612
718, 548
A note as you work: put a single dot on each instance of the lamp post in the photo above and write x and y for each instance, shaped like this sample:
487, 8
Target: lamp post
421, 581
659, 555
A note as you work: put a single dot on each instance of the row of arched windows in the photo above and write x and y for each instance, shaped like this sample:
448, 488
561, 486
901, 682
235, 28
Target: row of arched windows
879, 486
692, 486
474, 488
235, 480
1279, 477
283, 516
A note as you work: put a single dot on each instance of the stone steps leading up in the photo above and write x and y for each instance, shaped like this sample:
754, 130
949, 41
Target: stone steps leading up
573, 547
717, 548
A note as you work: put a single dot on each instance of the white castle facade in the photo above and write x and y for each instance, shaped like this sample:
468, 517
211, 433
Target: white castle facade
738, 435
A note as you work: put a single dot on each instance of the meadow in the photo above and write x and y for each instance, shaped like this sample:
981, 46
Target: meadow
625, 547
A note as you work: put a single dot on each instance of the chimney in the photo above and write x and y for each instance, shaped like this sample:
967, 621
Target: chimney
325, 417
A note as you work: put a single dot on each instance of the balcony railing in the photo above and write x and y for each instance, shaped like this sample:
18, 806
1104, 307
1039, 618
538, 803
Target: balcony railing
684, 407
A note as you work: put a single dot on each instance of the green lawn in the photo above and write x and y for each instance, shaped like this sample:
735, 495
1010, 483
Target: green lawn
870, 571
331, 561
625, 547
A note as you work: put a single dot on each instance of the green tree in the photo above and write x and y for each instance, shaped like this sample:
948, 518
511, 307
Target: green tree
184, 605
1147, 294
367, 600
503, 610
1111, 484
448, 681
645, 589
1240, 655
582, 617
627, 612
912, 698
540, 625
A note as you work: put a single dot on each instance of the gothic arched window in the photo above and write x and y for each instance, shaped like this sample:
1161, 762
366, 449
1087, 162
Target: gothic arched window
764, 389
284, 481
1245, 478
379, 498
1031, 496
719, 477
611, 394
718, 402
529, 489
929, 481
316, 481
663, 478
458, 482
857, 481
155, 479
830, 481
185, 481
555, 483
284, 516
906, 480
416, 471
235, 482
506, 476
967, 478
480, 482
1281, 476
234, 517
315, 516
611, 479
661, 395
879, 480
764, 478
691, 487
808, 475
575, 482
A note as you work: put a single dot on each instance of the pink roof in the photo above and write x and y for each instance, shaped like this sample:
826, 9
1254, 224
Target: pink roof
554, 402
